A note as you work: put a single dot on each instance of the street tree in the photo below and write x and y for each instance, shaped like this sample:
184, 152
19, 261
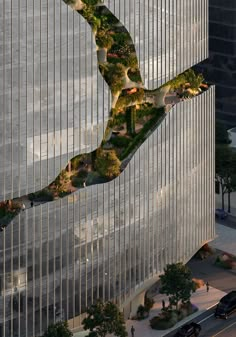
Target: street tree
226, 171
59, 329
104, 318
176, 282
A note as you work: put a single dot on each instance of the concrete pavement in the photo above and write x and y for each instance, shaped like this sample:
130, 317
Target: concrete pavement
225, 239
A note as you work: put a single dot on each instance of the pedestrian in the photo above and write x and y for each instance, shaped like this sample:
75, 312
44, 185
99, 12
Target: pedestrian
84, 184
132, 331
23, 207
163, 304
32, 203
207, 286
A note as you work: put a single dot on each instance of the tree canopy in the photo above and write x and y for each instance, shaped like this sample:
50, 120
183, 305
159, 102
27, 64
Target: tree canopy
59, 329
104, 318
176, 282
225, 170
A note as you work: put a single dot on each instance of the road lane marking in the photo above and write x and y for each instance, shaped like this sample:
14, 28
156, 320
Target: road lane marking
204, 319
224, 329
212, 306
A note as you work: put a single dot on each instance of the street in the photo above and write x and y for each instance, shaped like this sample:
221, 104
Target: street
212, 327
230, 221
219, 278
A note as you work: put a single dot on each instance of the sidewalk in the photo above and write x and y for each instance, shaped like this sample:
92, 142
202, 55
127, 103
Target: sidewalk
225, 239
200, 298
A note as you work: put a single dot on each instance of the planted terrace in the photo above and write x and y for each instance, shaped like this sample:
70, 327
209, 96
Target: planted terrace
135, 112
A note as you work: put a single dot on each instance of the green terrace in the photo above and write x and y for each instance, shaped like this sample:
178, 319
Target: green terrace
135, 114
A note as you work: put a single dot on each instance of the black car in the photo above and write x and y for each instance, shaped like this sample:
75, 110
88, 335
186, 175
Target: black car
189, 330
226, 305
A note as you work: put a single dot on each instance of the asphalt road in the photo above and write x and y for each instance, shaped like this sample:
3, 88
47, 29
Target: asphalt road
217, 277
230, 221
212, 327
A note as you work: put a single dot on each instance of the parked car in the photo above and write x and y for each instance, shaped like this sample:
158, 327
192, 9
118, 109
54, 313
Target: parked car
189, 330
226, 306
220, 213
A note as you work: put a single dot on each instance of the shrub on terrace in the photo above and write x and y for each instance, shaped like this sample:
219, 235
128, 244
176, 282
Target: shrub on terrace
120, 141
77, 182
142, 134
114, 76
129, 99
105, 41
43, 195
107, 163
75, 162
8, 210
121, 38
118, 118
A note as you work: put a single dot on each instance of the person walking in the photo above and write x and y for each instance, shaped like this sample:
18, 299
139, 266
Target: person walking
163, 305
207, 286
132, 330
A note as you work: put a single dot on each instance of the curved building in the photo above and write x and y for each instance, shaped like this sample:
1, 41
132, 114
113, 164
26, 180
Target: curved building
110, 240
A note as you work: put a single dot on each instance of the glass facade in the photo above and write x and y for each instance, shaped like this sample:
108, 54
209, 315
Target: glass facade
220, 68
104, 240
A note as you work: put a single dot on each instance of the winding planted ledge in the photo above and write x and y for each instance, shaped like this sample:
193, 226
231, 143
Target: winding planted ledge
135, 113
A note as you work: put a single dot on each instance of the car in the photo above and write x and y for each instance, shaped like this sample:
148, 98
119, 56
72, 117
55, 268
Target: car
226, 306
189, 330
220, 213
